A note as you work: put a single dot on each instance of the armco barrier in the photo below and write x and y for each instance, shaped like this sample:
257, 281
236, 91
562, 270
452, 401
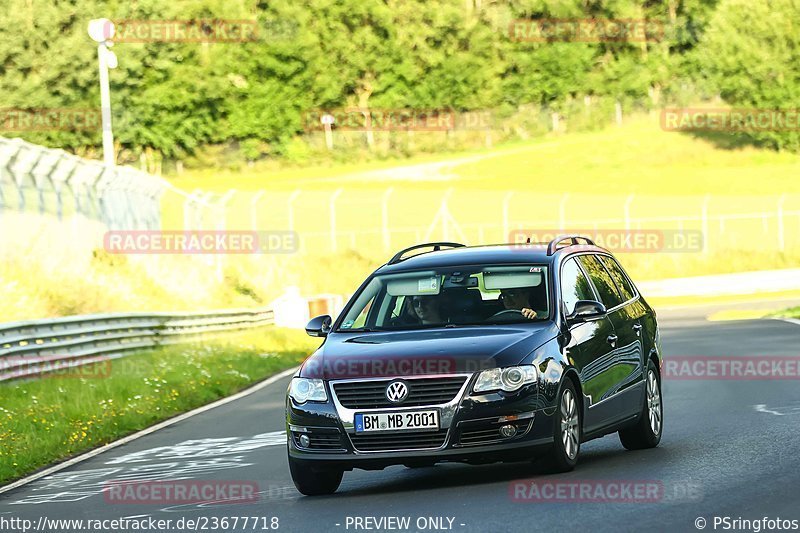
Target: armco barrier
31, 347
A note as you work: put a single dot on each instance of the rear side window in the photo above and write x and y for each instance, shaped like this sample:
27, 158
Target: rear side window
602, 280
625, 288
574, 285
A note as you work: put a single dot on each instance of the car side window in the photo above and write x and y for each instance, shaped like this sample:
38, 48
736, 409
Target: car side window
602, 280
626, 290
574, 285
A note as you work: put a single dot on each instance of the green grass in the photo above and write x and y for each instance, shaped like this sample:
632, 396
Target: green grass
792, 312
671, 174
638, 157
50, 419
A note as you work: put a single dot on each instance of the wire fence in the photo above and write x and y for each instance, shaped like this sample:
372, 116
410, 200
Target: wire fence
52, 182
375, 218
385, 219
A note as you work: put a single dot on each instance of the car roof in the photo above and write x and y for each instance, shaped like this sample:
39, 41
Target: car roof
485, 255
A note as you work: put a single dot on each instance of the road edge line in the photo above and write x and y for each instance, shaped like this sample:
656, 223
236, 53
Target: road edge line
786, 319
146, 431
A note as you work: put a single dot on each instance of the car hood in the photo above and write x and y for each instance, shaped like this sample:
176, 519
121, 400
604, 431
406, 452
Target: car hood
422, 352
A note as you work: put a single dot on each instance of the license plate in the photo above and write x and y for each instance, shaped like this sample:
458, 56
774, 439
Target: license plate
396, 421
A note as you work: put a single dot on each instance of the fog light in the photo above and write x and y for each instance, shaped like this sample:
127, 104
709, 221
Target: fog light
508, 431
305, 441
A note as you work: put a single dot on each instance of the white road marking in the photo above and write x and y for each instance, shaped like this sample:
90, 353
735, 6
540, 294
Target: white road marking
152, 429
762, 408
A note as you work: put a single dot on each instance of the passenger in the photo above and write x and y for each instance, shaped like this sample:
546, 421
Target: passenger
407, 316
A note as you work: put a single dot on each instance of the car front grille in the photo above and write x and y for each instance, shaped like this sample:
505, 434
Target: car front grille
380, 442
421, 391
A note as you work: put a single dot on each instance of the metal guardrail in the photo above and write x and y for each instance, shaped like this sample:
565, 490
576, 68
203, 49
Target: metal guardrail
32, 347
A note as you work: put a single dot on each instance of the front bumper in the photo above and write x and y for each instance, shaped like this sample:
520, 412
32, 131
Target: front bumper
469, 431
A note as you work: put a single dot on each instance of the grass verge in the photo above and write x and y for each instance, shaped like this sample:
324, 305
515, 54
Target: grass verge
792, 312
53, 418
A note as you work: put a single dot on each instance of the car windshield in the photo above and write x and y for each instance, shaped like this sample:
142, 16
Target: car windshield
463, 296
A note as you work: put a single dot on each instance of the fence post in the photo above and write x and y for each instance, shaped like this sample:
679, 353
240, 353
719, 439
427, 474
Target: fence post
253, 209
781, 236
618, 113
704, 218
562, 212
332, 207
627, 209
506, 226
387, 237
290, 204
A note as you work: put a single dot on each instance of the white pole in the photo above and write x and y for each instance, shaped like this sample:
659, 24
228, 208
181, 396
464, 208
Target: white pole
387, 236
105, 106
328, 136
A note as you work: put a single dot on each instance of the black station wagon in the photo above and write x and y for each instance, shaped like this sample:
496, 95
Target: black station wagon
477, 354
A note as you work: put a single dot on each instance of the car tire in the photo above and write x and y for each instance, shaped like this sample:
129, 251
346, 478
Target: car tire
566, 430
650, 425
314, 481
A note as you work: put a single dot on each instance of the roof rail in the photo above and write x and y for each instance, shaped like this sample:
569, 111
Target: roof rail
436, 247
553, 246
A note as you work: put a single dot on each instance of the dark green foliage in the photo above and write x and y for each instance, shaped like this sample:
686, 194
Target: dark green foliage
170, 98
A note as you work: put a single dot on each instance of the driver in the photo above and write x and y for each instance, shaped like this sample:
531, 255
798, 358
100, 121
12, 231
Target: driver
518, 300
428, 309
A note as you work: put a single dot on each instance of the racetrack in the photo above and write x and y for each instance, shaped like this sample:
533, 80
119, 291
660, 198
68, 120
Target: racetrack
730, 448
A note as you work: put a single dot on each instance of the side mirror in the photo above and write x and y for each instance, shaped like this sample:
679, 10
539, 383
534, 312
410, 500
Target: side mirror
319, 326
586, 310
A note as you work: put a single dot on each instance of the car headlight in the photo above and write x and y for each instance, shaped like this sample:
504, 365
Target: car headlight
506, 379
302, 390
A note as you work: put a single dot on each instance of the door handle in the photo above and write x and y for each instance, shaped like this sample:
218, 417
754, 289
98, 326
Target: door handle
612, 340
638, 329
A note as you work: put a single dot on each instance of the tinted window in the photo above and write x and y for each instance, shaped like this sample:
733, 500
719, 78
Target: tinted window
574, 285
468, 295
624, 286
602, 280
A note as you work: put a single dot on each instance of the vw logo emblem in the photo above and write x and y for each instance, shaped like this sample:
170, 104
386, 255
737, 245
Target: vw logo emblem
396, 391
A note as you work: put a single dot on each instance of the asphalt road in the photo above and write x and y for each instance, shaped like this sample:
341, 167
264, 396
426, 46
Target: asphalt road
730, 448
